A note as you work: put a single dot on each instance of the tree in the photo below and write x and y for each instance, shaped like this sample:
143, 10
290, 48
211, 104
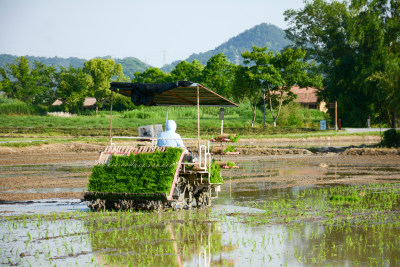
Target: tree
218, 75
185, 71
74, 86
32, 86
17, 79
151, 75
275, 74
245, 87
5, 83
103, 71
293, 70
45, 83
351, 43
389, 83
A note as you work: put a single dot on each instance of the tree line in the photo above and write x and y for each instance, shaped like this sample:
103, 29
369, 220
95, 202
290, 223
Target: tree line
357, 47
42, 84
265, 71
350, 50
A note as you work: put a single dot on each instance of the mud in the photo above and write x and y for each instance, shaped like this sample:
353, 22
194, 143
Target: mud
57, 167
264, 173
50, 168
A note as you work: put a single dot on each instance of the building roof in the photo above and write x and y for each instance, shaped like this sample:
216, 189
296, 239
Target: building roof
89, 102
307, 95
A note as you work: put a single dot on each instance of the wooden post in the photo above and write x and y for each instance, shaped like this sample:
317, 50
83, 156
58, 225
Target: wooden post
336, 122
198, 118
111, 114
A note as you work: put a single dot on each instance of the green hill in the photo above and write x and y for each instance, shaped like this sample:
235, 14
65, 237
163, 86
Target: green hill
261, 35
56, 61
129, 64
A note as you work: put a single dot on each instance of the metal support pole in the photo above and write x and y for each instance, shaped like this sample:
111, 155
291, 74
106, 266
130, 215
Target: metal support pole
166, 119
111, 116
222, 127
198, 118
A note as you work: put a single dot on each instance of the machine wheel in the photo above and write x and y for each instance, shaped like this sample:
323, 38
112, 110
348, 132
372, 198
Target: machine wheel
203, 199
97, 205
185, 193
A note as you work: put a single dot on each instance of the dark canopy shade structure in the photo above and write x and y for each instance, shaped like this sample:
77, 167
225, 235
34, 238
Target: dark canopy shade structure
180, 93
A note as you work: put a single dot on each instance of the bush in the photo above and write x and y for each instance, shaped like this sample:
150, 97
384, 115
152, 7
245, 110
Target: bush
120, 103
291, 115
137, 173
17, 107
391, 138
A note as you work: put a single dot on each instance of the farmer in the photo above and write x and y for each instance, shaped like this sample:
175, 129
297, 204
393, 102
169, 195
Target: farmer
172, 138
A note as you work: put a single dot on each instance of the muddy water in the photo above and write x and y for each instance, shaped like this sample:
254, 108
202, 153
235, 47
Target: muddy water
36, 181
271, 211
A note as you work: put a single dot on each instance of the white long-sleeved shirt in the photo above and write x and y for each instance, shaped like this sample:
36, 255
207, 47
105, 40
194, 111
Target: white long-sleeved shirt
174, 139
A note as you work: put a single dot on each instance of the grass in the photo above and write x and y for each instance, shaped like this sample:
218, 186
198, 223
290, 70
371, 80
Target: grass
94, 128
17, 107
23, 144
237, 120
33, 141
99, 126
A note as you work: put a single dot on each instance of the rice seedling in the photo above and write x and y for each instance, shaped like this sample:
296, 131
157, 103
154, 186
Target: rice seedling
302, 227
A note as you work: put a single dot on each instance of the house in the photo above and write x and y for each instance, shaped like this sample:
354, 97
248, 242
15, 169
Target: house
307, 97
89, 103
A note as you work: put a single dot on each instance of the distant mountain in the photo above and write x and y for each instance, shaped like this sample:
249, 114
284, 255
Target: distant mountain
56, 61
261, 35
129, 64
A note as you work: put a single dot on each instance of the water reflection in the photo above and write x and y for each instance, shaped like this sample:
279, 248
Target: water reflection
36, 241
262, 231
261, 219
171, 239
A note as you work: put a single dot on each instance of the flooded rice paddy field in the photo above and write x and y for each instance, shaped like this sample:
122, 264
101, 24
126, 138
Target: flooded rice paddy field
330, 210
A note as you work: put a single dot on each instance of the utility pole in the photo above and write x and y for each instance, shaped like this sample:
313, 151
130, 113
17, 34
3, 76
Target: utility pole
264, 106
263, 92
336, 122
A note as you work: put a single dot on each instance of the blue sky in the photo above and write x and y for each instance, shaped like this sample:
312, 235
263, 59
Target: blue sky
155, 31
